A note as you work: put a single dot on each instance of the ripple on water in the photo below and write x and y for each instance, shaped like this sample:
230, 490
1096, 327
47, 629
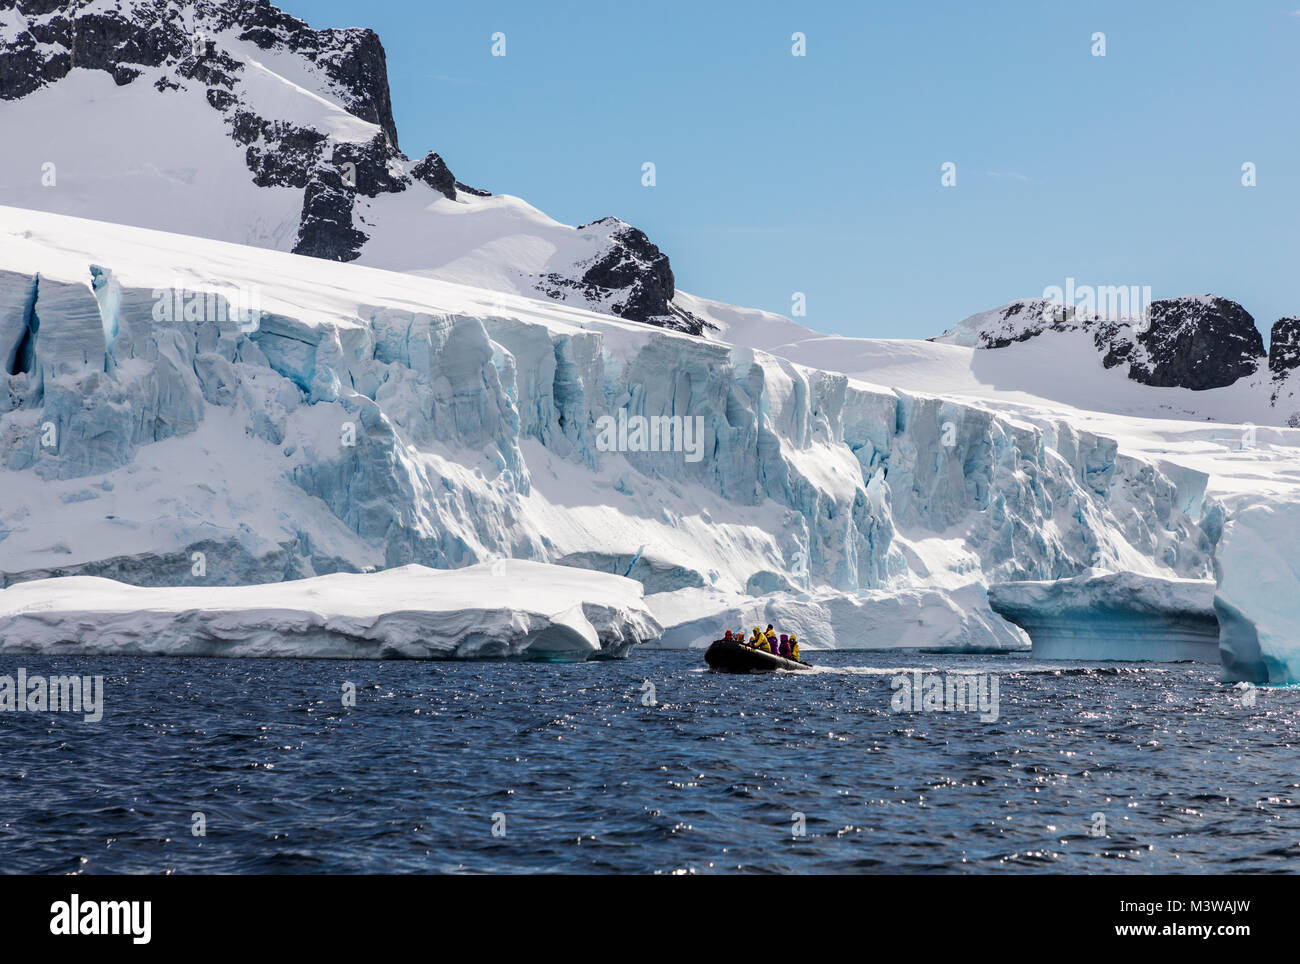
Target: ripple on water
488, 767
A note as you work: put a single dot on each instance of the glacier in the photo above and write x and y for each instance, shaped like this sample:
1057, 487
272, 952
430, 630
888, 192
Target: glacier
371, 419
506, 608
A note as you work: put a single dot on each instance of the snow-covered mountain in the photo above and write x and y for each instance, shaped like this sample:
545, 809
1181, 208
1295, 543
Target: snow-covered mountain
232, 120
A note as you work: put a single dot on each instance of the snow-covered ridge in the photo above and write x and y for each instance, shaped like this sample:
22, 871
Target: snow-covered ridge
232, 120
505, 608
1196, 342
375, 419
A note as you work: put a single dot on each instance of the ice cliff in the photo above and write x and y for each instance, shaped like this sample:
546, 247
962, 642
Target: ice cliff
1114, 615
366, 419
1257, 568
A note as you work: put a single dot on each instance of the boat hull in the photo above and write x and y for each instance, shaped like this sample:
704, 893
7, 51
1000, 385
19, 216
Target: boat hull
731, 657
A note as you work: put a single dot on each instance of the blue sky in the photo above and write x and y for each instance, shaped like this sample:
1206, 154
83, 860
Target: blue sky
821, 173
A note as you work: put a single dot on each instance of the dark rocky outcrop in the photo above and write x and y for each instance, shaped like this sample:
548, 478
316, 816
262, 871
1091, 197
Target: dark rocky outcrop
326, 229
153, 33
433, 171
1284, 346
1197, 342
630, 278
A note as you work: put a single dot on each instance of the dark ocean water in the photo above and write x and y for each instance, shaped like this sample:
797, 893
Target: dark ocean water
583, 776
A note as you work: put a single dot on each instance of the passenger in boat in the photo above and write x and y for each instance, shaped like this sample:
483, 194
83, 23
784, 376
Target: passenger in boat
759, 641
728, 637
785, 645
794, 647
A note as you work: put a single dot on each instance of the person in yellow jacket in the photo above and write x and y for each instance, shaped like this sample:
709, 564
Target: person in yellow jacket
759, 641
770, 633
794, 647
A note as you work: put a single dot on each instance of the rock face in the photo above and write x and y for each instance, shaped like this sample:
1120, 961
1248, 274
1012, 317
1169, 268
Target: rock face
434, 172
1284, 347
1197, 342
339, 163
1014, 322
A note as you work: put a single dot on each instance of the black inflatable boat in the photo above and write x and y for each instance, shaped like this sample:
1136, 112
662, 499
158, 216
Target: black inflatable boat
732, 657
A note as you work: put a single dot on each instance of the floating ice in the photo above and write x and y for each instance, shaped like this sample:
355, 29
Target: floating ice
497, 609
1114, 616
956, 620
1257, 568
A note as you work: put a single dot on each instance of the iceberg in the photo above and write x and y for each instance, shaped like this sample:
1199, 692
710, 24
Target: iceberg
504, 608
1256, 570
1114, 616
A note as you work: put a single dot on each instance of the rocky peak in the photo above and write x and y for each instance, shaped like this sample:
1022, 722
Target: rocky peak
433, 171
629, 277
1195, 341
59, 35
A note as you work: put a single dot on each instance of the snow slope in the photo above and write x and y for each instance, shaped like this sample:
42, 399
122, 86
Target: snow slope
195, 181
1033, 374
503, 608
